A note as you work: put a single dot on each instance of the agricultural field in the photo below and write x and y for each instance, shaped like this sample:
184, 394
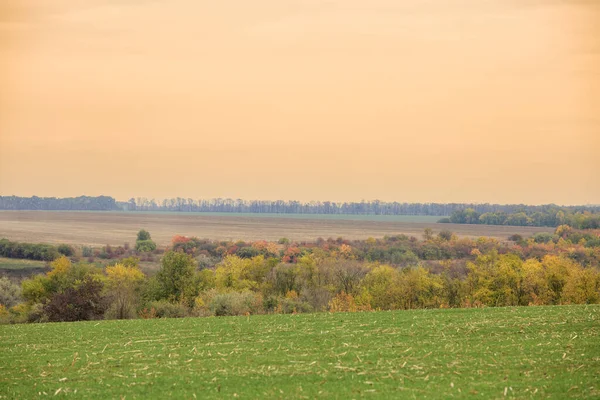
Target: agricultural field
101, 228
525, 352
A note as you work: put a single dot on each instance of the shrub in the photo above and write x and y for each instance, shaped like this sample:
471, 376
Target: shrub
65, 250
247, 252
10, 294
81, 303
143, 235
36, 313
543, 237
164, 309
235, 303
445, 235
292, 305
516, 238
145, 246
344, 302
31, 251
87, 251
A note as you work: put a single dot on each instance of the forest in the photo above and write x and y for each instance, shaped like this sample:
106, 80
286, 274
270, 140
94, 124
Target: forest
200, 277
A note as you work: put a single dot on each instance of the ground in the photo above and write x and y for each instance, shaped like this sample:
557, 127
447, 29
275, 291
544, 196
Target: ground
101, 228
524, 352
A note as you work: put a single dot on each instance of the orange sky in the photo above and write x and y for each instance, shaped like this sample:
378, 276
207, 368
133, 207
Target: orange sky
447, 101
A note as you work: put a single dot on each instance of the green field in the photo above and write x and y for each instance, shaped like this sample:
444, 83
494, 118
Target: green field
19, 264
529, 352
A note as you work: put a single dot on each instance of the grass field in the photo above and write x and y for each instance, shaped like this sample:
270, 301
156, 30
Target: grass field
534, 352
101, 228
18, 264
17, 268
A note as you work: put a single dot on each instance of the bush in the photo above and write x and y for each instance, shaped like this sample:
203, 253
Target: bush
143, 235
543, 237
30, 251
445, 235
516, 238
81, 303
145, 246
292, 305
247, 252
10, 294
164, 309
87, 251
65, 250
235, 303
36, 313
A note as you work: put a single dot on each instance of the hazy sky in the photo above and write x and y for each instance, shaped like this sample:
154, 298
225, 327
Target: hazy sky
408, 100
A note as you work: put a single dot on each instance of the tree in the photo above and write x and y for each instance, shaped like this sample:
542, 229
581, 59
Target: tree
143, 235
144, 243
176, 277
348, 275
427, 234
80, 303
123, 283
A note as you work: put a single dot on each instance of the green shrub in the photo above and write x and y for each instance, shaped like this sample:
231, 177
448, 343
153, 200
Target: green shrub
143, 235
10, 293
87, 251
543, 237
166, 309
236, 303
65, 250
294, 305
145, 246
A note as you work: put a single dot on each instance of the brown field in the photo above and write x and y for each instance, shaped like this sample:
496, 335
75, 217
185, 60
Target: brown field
99, 228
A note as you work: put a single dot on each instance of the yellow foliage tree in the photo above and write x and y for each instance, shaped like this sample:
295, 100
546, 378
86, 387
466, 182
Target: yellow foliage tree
235, 273
59, 266
123, 283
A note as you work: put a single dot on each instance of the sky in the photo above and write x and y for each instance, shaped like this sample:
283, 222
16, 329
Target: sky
418, 101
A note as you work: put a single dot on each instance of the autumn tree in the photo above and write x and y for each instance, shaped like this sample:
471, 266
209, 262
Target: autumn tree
177, 277
123, 284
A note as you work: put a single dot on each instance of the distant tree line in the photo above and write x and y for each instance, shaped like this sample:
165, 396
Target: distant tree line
374, 207
98, 203
581, 217
551, 216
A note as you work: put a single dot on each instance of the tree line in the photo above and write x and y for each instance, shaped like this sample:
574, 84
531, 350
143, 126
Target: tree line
90, 203
552, 216
550, 212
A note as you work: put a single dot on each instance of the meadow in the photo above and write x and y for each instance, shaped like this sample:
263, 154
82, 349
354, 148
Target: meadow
523, 352
116, 228
19, 264
18, 268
